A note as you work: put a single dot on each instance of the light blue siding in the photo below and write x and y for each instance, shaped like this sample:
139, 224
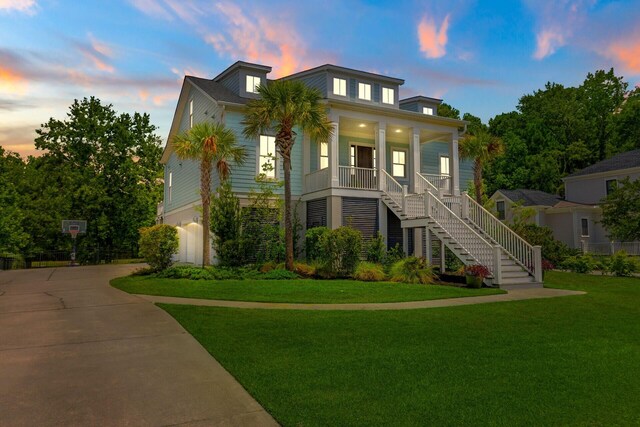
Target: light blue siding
430, 162
376, 92
315, 156
317, 81
410, 106
243, 177
232, 82
353, 89
343, 147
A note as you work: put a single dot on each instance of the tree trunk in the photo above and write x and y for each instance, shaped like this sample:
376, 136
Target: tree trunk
288, 226
205, 195
477, 180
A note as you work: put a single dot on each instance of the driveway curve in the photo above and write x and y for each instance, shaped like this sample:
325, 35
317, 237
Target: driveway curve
75, 351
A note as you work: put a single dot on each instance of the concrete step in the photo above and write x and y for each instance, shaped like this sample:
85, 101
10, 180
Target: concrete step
511, 267
508, 275
531, 285
518, 280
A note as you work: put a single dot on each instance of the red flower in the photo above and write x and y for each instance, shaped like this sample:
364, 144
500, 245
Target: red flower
477, 270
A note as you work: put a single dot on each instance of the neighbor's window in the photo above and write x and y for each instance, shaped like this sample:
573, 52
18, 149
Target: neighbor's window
324, 155
611, 184
364, 91
427, 110
191, 113
170, 184
267, 159
388, 95
584, 223
399, 163
444, 165
252, 84
501, 210
339, 86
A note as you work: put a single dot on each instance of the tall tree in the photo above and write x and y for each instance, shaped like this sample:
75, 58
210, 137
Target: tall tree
621, 211
12, 235
212, 145
106, 167
283, 106
481, 147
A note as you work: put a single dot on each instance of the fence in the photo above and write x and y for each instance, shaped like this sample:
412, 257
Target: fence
85, 256
609, 248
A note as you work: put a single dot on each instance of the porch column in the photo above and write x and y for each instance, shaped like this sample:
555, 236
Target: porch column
428, 251
405, 241
418, 245
382, 220
333, 154
443, 257
381, 151
415, 158
454, 165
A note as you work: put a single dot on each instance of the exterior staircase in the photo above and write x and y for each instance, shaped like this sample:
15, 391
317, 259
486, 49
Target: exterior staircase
471, 232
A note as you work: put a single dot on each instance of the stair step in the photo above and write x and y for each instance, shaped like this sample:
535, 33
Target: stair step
517, 280
511, 267
514, 274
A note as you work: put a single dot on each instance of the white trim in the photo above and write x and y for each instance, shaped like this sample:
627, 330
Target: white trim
406, 166
358, 97
363, 144
440, 156
276, 159
393, 95
333, 87
588, 228
320, 156
612, 173
190, 113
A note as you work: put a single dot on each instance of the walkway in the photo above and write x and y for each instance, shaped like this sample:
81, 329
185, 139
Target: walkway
512, 295
75, 351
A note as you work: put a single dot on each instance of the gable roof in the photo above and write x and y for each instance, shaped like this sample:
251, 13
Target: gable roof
242, 64
531, 197
351, 71
630, 159
217, 90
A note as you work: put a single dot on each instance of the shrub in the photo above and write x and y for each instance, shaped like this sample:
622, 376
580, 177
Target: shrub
278, 274
312, 239
304, 270
231, 253
477, 271
267, 267
393, 255
186, 272
552, 249
158, 244
376, 249
341, 251
369, 272
412, 270
579, 264
622, 264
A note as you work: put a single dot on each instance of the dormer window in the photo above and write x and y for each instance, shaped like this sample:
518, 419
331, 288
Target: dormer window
339, 86
252, 84
427, 110
364, 91
388, 95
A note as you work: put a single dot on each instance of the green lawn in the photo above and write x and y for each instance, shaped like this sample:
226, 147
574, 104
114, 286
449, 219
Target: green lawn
293, 291
563, 361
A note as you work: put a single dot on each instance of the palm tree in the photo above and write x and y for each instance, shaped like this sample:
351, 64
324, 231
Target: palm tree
211, 144
284, 105
481, 147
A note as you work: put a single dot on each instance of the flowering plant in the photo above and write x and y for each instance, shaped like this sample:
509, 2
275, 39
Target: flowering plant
477, 271
547, 265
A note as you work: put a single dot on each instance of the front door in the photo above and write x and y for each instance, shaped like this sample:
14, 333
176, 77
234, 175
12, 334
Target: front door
362, 156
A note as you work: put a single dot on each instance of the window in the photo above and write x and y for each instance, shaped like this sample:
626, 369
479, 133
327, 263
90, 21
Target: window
170, 184
584, 223
500, 209
353, 158
611, 184
191, 113
267, 159
339, 86
427, 110
252, 84
364, 91
399, 163
388, 95
444, 165
324, 155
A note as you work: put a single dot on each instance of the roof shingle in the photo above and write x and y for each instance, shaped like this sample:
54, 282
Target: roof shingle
531, 197
217, 91
630, 159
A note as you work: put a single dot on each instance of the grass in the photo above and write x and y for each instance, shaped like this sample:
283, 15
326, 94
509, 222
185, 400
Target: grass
563, 361
293, 291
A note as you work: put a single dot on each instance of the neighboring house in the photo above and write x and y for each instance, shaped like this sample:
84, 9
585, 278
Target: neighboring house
372, 174
576, 219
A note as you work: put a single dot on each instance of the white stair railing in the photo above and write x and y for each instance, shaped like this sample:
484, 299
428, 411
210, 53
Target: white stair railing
482, 251
440, 182
423, 183
519, 249
391, 187
414, 204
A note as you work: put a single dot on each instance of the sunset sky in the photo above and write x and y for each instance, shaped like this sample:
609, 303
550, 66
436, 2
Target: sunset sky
479, 56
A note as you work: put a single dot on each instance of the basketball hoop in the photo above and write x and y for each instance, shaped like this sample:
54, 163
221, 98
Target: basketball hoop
74, 230
73, 227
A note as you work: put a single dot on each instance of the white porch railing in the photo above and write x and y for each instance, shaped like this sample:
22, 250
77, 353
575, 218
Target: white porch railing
523, 253
414, 204
391, 187
318, 180
423, 183
440, 182
475, 245
360, 178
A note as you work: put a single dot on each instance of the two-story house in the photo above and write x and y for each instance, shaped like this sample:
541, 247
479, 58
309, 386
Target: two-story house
391, 165
576, 219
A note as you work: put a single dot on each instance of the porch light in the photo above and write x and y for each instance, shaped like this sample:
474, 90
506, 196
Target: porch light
362, 125
398, 130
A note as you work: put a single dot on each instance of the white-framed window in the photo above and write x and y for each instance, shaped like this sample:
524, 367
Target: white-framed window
388, 95
611, 185
444, 165
364, 91
502, 213
252, 84
339, 86
267, 158
427, 110
584, 227
170, 185
353, 161
324, 155
399, 163
190, 113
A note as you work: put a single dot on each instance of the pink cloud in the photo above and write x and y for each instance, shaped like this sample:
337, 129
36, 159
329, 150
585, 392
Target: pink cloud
25, 6
152, 8
433, 40
547, 42
627, 54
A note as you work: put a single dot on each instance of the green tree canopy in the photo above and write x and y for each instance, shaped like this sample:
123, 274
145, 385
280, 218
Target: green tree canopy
621, 211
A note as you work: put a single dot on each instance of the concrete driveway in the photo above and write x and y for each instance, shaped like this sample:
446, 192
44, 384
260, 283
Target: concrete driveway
74, 351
